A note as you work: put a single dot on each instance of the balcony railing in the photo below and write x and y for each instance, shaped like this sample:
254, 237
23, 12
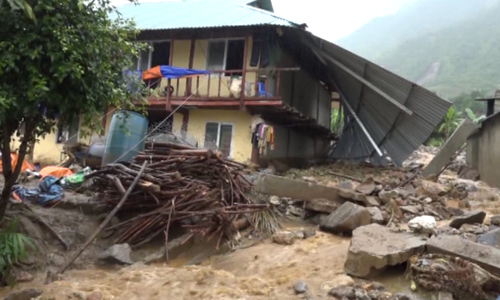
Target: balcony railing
220, 88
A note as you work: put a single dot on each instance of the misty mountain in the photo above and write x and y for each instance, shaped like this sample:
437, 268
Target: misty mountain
449, 46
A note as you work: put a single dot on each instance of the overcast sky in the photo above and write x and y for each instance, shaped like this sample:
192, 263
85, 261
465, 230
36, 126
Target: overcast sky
329, 19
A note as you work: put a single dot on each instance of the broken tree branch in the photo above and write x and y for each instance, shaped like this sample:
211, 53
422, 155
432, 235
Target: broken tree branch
32, 215
345, 176
105, 222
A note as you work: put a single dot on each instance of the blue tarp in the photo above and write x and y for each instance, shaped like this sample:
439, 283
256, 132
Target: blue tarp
48, 190
170, 72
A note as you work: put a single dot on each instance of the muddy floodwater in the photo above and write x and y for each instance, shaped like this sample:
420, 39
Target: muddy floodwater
263, 271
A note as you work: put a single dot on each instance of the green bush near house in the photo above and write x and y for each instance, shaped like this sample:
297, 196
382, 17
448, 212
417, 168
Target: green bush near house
13, 247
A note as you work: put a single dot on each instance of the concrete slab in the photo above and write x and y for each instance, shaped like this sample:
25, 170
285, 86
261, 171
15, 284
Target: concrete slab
375, 247
485, 256
450, 147
303, 190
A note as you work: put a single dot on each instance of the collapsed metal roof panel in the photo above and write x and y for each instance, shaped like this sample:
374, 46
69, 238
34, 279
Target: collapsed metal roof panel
389, 113
199, 14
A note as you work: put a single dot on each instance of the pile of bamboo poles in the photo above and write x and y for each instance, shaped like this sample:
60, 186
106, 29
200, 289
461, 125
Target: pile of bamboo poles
190, 187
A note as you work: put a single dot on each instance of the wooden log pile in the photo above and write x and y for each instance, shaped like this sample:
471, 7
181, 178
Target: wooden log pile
190, 187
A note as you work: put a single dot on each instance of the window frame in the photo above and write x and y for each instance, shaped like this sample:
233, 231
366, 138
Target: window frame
226, 45
150, 52
61, 130
218, 135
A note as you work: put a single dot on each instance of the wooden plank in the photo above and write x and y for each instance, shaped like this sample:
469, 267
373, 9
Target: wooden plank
244, 72
190, 66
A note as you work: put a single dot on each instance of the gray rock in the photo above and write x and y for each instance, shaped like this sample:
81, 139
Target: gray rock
287, 237
386, 196
322, 205
367, 187
407, 191
296, 211
26, 294
275, 200
431, 189
376, 215
119, 253
376, 247
346, 185
473, 217
309, 232
319, 218
360, 294
495, 220
342, 292
346, 218
491, 238
372, 201
413, 209
401, 296
300, 287
445, 296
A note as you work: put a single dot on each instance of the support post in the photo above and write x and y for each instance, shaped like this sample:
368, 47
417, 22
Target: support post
190, 66
243, 75
358, 120
490, 109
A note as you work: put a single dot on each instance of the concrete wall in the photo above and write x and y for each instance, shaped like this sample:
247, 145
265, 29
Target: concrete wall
241, 145
483, 151
48, 152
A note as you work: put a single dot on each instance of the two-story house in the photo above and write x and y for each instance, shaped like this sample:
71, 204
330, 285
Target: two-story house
271, 85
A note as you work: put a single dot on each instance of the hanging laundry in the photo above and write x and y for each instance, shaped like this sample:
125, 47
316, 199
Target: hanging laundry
271, 139
255, 121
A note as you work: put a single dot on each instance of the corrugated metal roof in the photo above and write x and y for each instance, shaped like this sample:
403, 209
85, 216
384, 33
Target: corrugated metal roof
199, 14
393, 131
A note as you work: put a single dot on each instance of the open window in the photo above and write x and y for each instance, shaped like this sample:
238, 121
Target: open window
225, 54
219, 136
158, 55
68, 133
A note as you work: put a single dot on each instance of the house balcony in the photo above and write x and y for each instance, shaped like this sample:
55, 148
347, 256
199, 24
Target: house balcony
219, 89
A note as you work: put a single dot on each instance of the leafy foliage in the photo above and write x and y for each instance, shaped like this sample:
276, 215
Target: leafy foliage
337, 121
20, 5
449, 123
13, 247
473, 116
68, 65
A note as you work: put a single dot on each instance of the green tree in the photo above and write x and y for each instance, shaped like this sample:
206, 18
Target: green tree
19, 5
68, 64
450, 122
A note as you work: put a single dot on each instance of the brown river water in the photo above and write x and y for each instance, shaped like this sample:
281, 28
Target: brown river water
263, 271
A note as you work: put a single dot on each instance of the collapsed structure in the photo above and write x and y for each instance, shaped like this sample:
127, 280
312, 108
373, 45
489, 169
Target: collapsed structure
270, 88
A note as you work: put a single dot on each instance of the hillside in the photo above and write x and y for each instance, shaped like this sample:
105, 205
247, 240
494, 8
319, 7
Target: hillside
449, 46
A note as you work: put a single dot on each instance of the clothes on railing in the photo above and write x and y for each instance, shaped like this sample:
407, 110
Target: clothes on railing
263, 137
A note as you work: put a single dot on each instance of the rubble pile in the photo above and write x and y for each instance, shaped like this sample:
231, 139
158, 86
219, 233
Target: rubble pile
194, 188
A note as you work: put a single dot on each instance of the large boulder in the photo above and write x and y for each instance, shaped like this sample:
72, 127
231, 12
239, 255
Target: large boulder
376, 247
346, 218
119, 253
473, 217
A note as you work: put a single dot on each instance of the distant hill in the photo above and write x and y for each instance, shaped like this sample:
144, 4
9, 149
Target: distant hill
449, 46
